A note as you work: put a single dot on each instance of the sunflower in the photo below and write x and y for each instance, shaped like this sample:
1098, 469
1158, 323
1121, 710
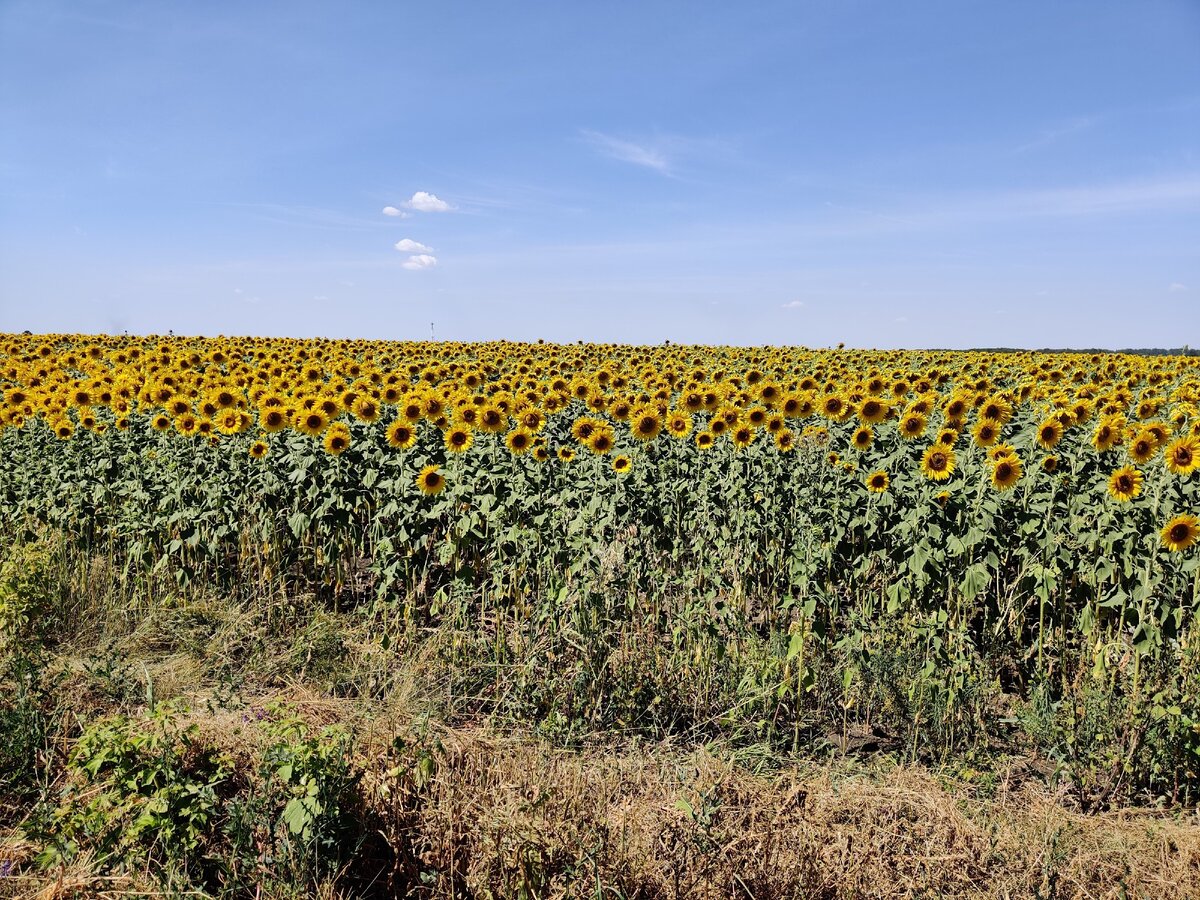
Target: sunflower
1183, 455
1106, 436
1006, 473
947, 436
1050, 463
785, 440
1049, 433
259, 449
272, 419
311, 422
743, 436
878, 482
985, 432
187, 424
431, 481
997, 452
645, 424
566, 454
622, 464
872, 411
337, 439
229, 422
63, 431
519, 440
160, 422
492, 420
459, 439
1180, 533
835, 407
1143, 447
601, 441
937, 462
1124, 484
366, 409
679, 424
912, 426
718, 426
862, 438
705, 439
401, 434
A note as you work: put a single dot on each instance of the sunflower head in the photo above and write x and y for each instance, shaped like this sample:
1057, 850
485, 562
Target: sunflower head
1124, 484
705, 439
878, 482
1006, 472
1180, 533
259, 449
862, 438
1183, 455
622, 464
566, 454
431, 481
401, 434
459, 439
337, 439
1049, 433
937, 463
519, 440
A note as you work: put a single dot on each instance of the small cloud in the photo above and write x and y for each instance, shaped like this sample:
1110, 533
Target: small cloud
410, 246
1177, 288
392, 211
420, 261
794, 304
422, 201
628, 151
902, 319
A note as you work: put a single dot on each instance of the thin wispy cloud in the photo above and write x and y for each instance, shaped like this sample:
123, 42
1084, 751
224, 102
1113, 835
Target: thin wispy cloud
1058, 132
408, 245
420, 261
644, 155
423, 201
1177, 288
792, 304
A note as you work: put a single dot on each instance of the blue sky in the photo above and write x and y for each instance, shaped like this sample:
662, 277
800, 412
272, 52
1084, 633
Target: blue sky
948, 174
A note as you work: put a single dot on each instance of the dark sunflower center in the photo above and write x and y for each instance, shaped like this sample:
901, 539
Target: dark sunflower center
1180, 532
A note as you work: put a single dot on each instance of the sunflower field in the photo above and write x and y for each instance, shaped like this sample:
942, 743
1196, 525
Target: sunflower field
950, 548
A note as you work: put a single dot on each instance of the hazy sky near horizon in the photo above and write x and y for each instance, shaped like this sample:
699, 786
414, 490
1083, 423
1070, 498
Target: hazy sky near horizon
947, 174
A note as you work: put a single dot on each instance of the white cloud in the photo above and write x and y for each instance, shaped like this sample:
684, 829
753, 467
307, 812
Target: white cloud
628, 151
423, 201
794, 304
392, 211
1177, 288
408, 245
420, 261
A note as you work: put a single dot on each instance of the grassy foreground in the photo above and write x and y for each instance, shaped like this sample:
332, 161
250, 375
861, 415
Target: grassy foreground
166, 743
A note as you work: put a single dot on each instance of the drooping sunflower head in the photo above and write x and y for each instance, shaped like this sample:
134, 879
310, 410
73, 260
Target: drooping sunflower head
1124, 484
878, 482
431, 481
1180, 533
